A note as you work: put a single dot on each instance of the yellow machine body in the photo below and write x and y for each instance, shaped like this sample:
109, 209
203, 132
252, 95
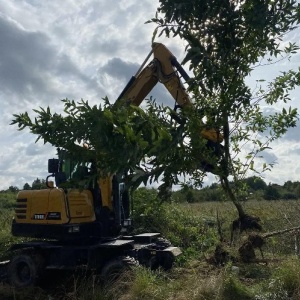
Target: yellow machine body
54, 206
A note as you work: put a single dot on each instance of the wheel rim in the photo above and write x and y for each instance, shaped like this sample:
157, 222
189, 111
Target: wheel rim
23, 272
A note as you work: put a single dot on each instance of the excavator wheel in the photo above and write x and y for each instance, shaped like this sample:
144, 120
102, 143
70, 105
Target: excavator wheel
167, 261
24, 270
115, 267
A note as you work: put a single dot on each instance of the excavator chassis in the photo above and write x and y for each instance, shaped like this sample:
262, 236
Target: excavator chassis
29, 260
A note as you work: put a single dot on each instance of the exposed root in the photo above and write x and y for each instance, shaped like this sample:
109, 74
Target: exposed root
244, 223
247, 250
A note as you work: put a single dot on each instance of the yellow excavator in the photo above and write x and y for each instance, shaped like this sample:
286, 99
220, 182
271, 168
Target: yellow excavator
87, 227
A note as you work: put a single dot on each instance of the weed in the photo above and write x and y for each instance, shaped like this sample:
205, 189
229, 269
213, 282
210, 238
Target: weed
255, 271
233, 289
288, 274
275, 291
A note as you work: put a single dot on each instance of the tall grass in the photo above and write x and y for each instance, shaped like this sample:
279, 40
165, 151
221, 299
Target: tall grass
7, 204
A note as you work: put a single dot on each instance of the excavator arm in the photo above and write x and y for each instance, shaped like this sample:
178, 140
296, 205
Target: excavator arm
163, 68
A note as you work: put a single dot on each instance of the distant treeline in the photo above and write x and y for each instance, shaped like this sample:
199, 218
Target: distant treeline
37, 184
252, 188
247, 189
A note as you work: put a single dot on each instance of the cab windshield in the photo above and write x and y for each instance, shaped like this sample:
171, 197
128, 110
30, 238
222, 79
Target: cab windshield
76, 170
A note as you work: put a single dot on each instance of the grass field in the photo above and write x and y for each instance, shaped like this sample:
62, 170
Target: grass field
193, 227
274, 215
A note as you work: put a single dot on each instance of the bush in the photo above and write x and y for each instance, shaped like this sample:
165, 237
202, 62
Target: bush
7, 200
183, 229
289, 275
290, 196
271, 193
233, 289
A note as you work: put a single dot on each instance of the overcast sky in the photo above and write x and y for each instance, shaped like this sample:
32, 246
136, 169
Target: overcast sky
51, 50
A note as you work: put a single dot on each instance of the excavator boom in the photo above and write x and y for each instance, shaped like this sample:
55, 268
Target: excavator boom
163, 68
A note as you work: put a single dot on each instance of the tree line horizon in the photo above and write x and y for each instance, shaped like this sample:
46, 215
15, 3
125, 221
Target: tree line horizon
254, 187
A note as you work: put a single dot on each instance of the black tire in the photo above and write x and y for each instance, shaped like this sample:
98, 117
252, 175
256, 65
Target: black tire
153, 263
24, 270
115, 267
167, 261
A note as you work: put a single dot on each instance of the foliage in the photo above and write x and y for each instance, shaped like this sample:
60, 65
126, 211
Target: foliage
13, 189
192, 195
283, 282
38, 184
271, 193
188, 194
234, 289
288, 273
7, 199
255, 183
145, 285
26, 186
7, 203
122, 138
253, 188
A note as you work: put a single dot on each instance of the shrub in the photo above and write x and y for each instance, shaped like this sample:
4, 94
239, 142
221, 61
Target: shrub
289, 275
182, 228
233, 289
271, 193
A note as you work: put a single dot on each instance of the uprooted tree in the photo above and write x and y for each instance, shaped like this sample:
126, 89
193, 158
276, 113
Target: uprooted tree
225, 42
